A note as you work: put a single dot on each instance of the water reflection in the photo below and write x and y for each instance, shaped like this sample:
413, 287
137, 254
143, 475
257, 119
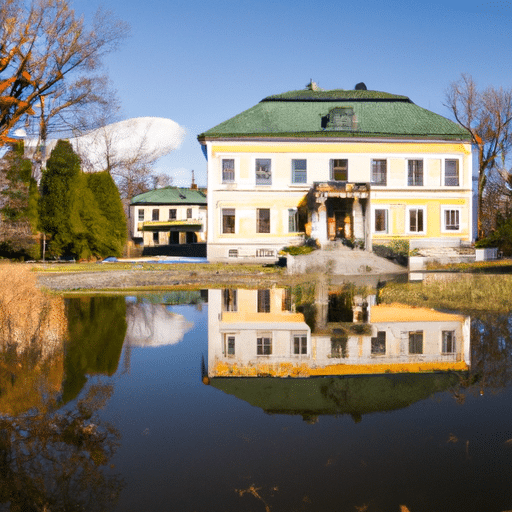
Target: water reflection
52, 456
283, 332
372, 357
97, 328
154, 325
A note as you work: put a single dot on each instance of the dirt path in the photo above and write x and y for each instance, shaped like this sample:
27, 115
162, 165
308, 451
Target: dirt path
128, 279
348, 267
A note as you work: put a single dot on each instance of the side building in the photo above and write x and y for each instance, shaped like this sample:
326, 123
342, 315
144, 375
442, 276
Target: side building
170, 221
363, 165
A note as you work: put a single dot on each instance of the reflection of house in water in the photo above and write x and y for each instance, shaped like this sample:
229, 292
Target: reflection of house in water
354, 395
260, 333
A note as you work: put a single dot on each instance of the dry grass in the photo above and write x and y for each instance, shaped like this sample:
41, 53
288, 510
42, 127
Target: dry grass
27, 315
212, 268
32, 328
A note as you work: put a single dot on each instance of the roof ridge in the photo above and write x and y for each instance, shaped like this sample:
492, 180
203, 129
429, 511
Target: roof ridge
336, 95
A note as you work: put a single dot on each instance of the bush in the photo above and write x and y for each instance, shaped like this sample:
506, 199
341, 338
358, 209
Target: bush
501, 238
298, 250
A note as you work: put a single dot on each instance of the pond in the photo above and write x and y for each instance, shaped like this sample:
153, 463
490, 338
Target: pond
287, 399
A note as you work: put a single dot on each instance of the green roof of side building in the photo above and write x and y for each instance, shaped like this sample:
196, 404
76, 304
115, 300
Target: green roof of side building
171, 195
307, 113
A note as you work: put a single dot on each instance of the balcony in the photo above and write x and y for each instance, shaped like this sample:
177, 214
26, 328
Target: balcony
171, 225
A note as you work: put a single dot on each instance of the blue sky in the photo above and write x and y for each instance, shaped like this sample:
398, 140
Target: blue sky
200, 63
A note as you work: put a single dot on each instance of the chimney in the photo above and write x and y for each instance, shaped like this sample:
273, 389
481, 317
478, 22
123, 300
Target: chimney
193, 186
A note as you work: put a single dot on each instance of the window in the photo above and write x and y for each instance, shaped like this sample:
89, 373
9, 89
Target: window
264, 344
229, 301
228, 170
416, 342
339, 170
415, 173
263, 171
156, 215
263, 220
451, 173
293, 220
172, 214
341, 118
381, 220
416, 220
264, 301
265, 253
229, 345
155, 237
299, 171
233, 253
451, 220
339, 347
189, 213
141, 215
228, 220
379, 343
300, 344
379, 172
448, 342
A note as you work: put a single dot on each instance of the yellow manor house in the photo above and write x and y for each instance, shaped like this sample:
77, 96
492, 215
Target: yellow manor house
361, 165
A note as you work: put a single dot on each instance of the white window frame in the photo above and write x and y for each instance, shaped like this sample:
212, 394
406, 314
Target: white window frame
445, 209
331, 169
264, 336
235, 169
227, 336
293, 216
371, 172
268, 183
305, 171
453, 341
423, 171
139, 211
374, 227
222, 221
414, 342
459, 167
408, 219
264, 300
301, 335
260, 222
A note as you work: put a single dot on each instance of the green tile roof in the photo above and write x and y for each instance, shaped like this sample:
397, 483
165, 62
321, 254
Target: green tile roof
304, 113
171, 195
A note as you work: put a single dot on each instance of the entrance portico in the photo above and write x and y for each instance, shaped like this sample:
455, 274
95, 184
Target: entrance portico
340, 210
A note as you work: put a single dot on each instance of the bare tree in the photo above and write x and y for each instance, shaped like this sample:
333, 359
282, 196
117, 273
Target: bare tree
128, 150
487, 115
47, 58
495, 203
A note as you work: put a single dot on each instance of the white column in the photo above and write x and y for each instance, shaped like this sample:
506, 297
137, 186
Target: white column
357, 214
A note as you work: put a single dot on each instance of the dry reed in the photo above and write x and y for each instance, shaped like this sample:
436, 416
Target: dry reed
27, 315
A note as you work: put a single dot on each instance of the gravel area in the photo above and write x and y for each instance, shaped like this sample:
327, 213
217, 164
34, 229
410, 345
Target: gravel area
339, 265
127, 279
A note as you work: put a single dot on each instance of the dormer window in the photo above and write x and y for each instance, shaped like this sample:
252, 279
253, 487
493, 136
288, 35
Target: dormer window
342, 119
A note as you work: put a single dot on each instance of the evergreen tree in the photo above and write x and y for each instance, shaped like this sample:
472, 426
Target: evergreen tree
89, 228
109, 201
18, 206
68, 209
57, 182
